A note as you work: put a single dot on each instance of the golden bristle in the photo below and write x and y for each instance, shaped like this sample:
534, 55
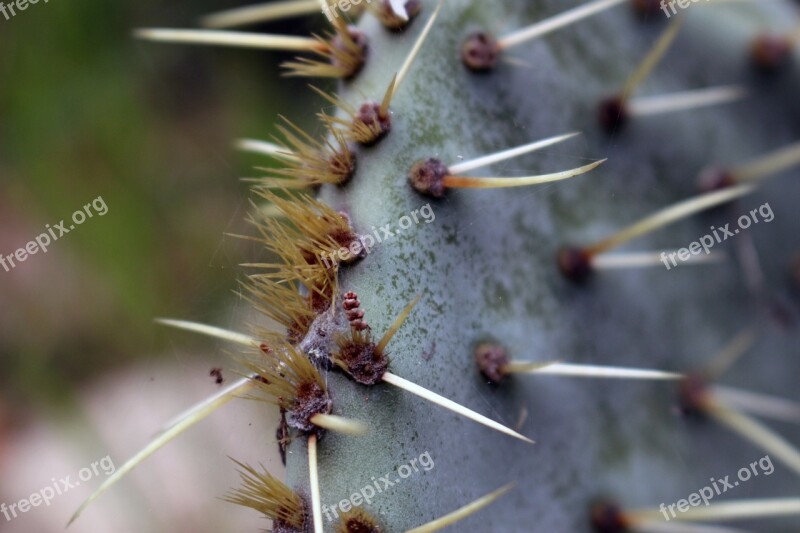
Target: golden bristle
324, 231
284, 375
344, 53
283, 303
314, 162
301, 252
353, 127
355, 130
318, 282
275, 289
396, 325
341, 125
356, 337
297, 252
266, 494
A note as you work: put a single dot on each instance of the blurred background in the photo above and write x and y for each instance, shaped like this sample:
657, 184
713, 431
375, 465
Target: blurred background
87, 111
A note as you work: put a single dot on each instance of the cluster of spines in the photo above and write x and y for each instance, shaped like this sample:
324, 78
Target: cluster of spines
343, 55
264, 493
276, 290
304, 238
290, 380
309, 162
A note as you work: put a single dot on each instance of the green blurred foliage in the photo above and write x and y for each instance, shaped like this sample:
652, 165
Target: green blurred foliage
87, 111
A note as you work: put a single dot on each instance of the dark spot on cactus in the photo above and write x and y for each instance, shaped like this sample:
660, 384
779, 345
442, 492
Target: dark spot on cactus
693, 395
428, 354
360, 358
358, 521
216, 373
575, 264
427, 177
282, 436
491, 360
794, 272
608, 518
310, 400
353, 52
714, 179
612, 113
391, 20
646, 8
770, 53
480, 52
371, 118
782, 313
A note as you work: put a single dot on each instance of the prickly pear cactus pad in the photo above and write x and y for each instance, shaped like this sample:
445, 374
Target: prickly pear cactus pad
532, 271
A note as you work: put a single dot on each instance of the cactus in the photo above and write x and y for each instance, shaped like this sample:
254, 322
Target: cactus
473, 294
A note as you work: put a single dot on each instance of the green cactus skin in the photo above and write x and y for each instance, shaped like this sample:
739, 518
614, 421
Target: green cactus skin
486, 270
